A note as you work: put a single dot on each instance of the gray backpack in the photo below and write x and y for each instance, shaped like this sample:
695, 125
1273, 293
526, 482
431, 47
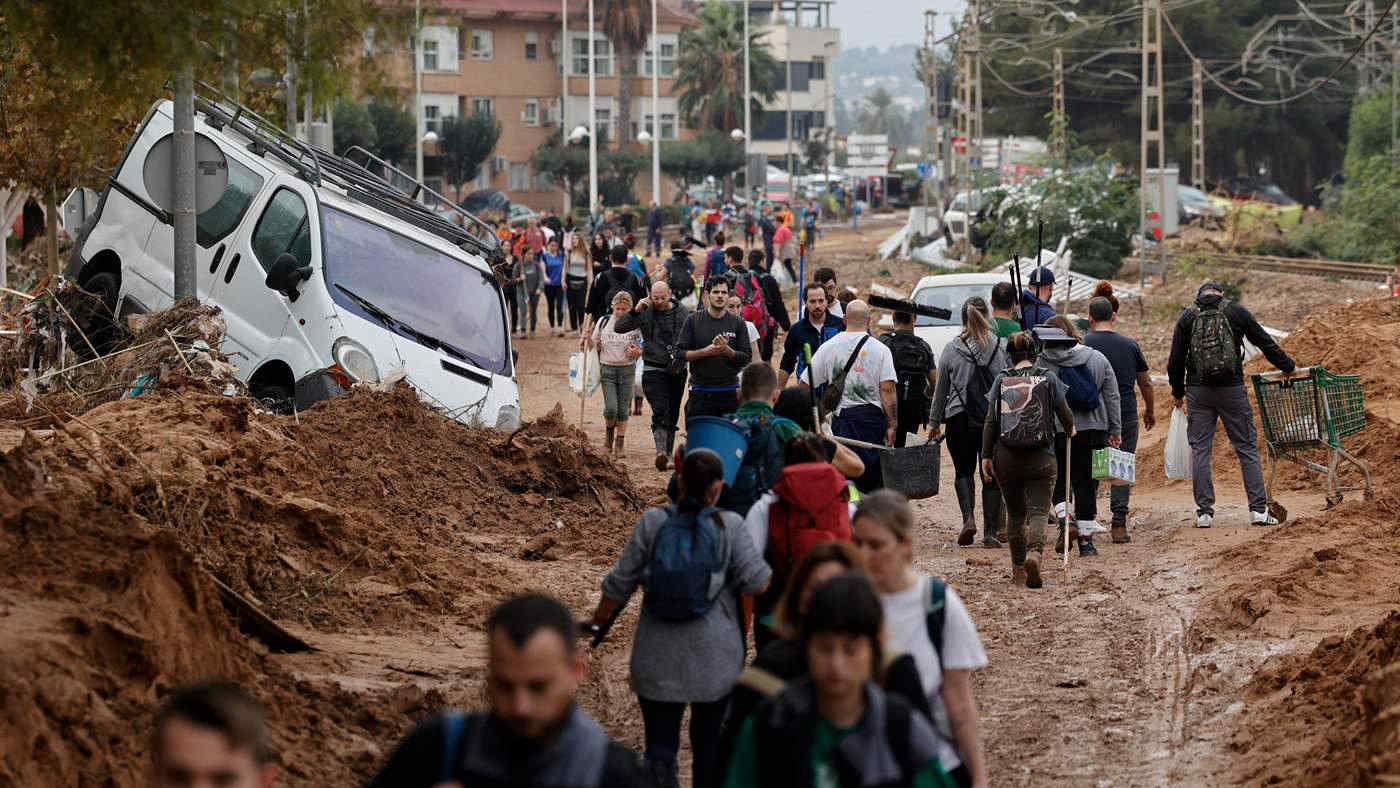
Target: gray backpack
1212, 345
1025, 412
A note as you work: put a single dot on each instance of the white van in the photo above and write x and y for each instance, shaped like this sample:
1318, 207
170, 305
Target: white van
326, 273
949, 291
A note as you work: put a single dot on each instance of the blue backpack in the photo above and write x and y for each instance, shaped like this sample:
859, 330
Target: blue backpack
762, 465
686, 571
1083, 393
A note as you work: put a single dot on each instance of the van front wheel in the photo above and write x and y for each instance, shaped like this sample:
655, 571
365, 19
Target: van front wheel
100, 325
278, 398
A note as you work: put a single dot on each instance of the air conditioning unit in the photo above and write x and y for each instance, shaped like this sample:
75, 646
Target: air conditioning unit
499, 164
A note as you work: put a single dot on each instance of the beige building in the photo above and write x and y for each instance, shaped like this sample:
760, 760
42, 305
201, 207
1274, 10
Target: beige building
507, 58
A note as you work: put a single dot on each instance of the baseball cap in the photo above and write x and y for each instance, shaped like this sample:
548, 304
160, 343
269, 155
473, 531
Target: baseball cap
1100, 308
1209, 286
1042, 276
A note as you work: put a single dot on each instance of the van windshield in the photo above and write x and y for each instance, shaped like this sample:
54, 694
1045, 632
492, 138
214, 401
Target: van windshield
949, 297
414, 290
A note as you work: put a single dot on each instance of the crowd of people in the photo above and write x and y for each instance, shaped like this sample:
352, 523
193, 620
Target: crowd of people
862, 669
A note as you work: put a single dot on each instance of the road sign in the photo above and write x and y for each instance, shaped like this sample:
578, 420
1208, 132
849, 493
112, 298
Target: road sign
924, 169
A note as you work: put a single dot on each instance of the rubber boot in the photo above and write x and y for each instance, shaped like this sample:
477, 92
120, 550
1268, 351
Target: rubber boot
663, 448
1032, 565
608, 442
993, 519
1119, 529
967, 502
621, 443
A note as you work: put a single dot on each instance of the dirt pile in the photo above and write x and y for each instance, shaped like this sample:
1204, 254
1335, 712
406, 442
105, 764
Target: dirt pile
1352, 338
367, 511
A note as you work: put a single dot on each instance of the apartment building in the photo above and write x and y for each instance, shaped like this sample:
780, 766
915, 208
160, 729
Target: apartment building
508, 58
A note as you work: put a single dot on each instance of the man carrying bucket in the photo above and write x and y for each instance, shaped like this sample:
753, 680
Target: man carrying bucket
867, 408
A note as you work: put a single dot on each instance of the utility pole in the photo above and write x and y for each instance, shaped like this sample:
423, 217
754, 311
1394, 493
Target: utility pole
1394, 90
931, 131
592, 120
964, 67
748, 112
1369, 56
565, 63
787, 114
182, 191
974, 131
418, 125
1198, 126
656, 109
1152, 132
1059, 130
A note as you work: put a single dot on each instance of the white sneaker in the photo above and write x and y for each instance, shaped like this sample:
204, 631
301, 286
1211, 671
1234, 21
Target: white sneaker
1091, 527
1204, 520
1262, 518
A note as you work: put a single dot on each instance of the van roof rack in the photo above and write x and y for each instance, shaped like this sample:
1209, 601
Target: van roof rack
388, 189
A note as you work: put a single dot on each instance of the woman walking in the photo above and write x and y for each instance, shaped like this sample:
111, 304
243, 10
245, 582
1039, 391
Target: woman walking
927, 619
576, 278
966, 368
1018, 450
618, 354
554, 287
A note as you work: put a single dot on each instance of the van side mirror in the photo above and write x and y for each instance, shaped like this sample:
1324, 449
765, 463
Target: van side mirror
286, 274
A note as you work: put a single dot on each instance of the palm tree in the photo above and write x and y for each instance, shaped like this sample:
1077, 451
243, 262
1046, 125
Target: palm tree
627, 24
710, 69
878, 117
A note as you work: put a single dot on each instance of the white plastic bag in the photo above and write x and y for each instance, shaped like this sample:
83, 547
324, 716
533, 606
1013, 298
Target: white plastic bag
781, 275
578, 381
1176, 454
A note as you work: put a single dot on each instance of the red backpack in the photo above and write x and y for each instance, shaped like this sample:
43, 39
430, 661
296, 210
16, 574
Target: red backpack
813, 506
755, 307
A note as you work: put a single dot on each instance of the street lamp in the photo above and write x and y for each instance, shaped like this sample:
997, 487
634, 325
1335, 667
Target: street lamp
644, 137
430, 137
737, 135
578, 134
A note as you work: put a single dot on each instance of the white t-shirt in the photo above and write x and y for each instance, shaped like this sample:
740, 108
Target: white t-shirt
753, 342
906, 628
875, 366
756, 522
835, 308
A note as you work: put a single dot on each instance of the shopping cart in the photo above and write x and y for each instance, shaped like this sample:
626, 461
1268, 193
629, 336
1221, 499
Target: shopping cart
1316, 411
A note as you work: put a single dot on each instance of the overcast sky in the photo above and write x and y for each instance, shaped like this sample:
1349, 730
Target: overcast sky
884, 23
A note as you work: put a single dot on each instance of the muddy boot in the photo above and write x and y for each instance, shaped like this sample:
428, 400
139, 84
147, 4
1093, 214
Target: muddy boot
1032, 566
636, 406
661, 440
620, 445
993, 522
1060, 537
608, 441
1119, 530
1018, 574
967, 502
1086, 547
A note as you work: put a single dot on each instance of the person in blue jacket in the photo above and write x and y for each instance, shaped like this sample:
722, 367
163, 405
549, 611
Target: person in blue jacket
1035, 299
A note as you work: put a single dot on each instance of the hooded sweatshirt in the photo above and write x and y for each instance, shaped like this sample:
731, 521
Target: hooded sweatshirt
956, 366
1108, 415
1242, 325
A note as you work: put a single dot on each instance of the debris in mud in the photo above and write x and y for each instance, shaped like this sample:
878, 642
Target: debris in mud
1072, 683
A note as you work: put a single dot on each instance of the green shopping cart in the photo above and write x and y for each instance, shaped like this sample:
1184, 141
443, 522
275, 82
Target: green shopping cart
1310, 413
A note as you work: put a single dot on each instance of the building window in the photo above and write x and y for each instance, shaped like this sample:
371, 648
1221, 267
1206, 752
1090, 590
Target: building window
518, 176
818, 68
532, 46
667, 57
668, 126
481, 44
530, 116
432, 119
483, 178
483, 106
602, 52
603, 119
430, 55
801, 75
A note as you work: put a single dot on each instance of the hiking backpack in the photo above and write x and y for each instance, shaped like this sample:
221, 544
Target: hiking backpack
1212, 345
793, 530
686, 570
913, 360
1024, 411
679, 279
1081, 392
762, 465
754, 307
979, 387
614, 286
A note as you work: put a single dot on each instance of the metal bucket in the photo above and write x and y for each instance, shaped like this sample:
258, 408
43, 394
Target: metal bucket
913, 470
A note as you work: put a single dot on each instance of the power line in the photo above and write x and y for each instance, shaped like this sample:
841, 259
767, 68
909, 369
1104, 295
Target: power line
1028, 94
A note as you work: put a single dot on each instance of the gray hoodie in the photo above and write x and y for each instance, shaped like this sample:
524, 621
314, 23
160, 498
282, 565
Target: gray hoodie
1107, 416
956, 365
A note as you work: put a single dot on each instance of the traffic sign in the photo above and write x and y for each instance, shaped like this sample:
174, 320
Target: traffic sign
924, 169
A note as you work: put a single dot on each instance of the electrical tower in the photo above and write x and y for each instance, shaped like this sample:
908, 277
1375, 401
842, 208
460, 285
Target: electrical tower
974, 130
1059, 121
1198, 126
933, 126
1152, 135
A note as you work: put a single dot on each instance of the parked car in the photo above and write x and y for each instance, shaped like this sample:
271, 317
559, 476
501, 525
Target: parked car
326, 274
1195, 206
1259, 199
964, 206
949, 291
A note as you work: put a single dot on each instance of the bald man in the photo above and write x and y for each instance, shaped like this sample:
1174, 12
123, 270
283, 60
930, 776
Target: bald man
660, 318
867, 409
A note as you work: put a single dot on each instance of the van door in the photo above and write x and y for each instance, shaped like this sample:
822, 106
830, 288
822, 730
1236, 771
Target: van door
258, 316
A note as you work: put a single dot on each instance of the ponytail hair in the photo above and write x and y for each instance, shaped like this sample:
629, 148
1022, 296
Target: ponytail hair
1104, 289
976, 326
1020, 346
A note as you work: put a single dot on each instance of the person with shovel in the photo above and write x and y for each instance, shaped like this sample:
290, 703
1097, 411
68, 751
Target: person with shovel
859, 371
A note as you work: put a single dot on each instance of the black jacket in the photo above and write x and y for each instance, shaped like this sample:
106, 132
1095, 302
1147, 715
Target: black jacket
608, 282
661, 331
1242, 325
489, 756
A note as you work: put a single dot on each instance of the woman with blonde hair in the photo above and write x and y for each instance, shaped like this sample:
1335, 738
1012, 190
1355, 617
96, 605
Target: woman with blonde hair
966, 369
577, 260
618, 354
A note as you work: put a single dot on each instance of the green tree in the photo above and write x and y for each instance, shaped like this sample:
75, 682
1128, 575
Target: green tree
815, 151
710, 69
627, 24
712, 154
353, 127
464, 143
394, 131
617, 173
567, 164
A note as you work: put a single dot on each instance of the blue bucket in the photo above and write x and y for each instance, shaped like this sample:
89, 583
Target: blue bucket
721, 436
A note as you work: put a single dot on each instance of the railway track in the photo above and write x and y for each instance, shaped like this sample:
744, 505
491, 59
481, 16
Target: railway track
1340, 269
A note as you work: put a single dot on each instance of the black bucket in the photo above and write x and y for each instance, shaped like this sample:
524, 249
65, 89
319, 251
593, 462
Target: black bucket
912, 471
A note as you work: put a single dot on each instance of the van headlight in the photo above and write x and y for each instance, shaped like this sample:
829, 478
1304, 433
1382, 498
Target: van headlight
352, 357
508, 418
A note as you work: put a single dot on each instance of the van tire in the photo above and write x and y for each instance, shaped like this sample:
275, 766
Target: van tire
101, 329
277, 397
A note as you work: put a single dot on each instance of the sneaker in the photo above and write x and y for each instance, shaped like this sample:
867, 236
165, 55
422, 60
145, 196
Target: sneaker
1086, 547
1262, 518
662, 461
1002, 536
1060, 540
1204, 520
1032, 571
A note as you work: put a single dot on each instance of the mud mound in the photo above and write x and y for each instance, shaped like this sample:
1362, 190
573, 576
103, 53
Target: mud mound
1361, 337
1305, 724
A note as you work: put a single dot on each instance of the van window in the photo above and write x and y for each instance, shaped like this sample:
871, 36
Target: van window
220, 220
428, 297
949, 297
282, 228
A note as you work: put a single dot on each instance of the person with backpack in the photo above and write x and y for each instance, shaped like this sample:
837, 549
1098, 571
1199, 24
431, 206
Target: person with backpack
654, 221
916, 374
786, 245
928, 620
772, 302
967, 368
680, 271
693, 560
808, 504
607, 286
714, 261
1129, 367
1018, 450
635, 264
858, 374
533, 732
755, 307
809, 225
837, 726
795, 403
659, 318
1035, 299
767, 434
1091, 389
1206, 369
816, 326
716, 345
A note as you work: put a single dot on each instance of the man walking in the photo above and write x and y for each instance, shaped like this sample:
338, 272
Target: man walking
1035, 299
606, 286
211, 734
1004, 322
660, 320
772, 301
867, 408
1206, 369
767, 227
808, 334
534, 733
826, 277
914, 369
1129, 366
654, 230
716, 345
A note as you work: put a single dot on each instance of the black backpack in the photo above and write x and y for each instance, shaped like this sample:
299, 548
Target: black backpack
974, 397
618, 280
1212, 345
913, 360
678, 279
